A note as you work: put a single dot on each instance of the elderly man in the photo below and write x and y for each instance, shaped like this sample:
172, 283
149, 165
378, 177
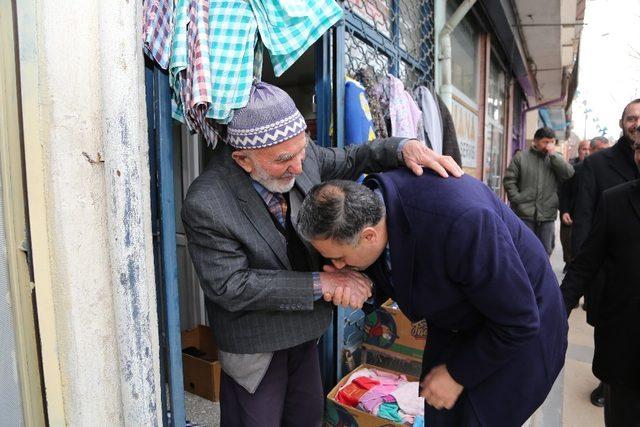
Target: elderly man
261, 282
598, 143
532, 180
449, 251
613, 244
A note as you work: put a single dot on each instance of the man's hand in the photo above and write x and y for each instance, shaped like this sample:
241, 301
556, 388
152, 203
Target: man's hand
439, 389
347, 288
416, 155
566, 219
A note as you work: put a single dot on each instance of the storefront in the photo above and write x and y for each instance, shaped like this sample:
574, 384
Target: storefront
487, 96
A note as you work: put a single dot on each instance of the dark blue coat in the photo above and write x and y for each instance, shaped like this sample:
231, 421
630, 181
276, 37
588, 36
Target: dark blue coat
464, 262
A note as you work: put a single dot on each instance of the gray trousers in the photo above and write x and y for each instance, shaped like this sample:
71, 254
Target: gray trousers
545, 231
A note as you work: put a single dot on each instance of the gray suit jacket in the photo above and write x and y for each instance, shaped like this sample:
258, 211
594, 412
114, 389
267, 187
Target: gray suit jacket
254, 301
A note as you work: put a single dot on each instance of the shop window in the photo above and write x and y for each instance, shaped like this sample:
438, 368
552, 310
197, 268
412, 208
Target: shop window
465, 55
495, 134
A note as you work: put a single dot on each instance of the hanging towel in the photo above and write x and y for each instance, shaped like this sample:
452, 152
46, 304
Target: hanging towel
431, 120
404, 112
358, 122
157, 29
289, 27
286, 28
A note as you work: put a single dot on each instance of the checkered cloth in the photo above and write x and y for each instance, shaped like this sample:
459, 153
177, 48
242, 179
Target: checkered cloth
287, 28
157, 30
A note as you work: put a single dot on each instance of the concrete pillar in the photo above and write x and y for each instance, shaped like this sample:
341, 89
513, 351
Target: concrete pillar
91, 132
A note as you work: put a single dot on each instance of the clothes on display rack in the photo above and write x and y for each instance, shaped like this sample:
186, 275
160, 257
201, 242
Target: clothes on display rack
406, 117
374, 97
384, 394
216, 49
438, 127
157, 29
358, 121
431, 120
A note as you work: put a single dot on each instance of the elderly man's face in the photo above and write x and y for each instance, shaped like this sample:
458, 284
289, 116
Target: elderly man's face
275, 167
630, 121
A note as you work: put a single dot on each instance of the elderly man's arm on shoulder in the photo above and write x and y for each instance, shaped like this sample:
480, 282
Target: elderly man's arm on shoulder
382, 154
223, 268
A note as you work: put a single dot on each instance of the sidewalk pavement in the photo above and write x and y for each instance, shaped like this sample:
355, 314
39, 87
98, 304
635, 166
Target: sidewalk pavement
568, 403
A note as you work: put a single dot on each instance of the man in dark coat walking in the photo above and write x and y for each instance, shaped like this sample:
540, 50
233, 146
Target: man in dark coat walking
613, 244
599, 172
449, 251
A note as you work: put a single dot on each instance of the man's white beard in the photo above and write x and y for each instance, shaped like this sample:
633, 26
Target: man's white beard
272, 184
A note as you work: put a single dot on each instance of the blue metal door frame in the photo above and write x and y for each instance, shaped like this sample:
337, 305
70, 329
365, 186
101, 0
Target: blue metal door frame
163, 211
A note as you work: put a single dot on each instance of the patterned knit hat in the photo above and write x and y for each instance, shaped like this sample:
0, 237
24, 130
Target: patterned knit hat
269, 118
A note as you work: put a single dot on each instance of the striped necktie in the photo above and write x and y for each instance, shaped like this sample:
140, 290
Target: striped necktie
277, 205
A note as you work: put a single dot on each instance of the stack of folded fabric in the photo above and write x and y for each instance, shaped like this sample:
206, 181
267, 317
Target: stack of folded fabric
384, 394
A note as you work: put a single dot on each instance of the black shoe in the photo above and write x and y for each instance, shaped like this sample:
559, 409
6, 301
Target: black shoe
597, 396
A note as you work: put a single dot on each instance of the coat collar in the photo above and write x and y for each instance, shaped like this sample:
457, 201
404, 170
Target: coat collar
401, 240
620, 158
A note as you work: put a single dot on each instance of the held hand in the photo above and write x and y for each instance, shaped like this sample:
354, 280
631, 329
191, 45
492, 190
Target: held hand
566, 219
347, 288
439, 389
416, 155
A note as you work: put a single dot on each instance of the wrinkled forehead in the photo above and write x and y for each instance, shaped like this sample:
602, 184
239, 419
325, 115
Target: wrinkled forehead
284, 150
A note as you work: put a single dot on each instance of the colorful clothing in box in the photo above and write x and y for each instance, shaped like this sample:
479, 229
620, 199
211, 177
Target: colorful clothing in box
358, 122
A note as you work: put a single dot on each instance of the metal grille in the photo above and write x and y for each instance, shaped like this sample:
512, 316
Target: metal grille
390, 36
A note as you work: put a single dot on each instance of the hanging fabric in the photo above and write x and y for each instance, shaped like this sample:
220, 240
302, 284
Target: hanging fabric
235, 27
374, 97
405, 115
450, 145
157, 29
431, 120
357, 121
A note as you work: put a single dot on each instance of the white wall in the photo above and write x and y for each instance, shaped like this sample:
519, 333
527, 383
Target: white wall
90, 104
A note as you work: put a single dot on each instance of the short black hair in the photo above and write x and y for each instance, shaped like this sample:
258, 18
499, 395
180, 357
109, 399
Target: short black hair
544, 133
635, 101
339, 210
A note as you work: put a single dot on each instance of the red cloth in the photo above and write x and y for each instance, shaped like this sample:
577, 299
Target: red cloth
351, 393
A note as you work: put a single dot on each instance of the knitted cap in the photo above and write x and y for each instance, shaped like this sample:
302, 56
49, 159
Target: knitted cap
269, 118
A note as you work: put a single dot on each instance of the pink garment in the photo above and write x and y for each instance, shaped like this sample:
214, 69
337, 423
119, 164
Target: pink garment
410, 402
371, 400
405, 114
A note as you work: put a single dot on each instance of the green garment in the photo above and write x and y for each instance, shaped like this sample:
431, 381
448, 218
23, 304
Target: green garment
532, 181
389, 411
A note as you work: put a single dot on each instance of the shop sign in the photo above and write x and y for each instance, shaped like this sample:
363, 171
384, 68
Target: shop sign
466, 124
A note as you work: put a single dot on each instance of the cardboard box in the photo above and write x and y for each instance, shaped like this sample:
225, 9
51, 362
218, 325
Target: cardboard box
200, 366
338, 414
389, 330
